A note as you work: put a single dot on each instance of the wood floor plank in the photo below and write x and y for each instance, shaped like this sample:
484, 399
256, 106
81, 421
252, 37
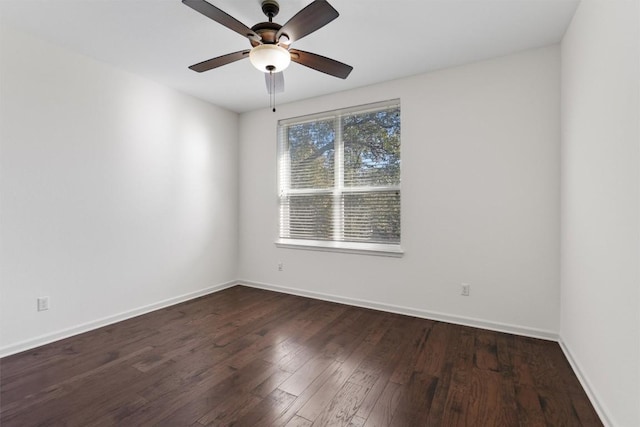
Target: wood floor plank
160, 387
529, 409
356, 421
303, 398
385, 407
374, 394
357, 348
251, 357
228, 410
391, 358
214, 411
305, 375
432, 355
417, 334
486, 355
342, 407
299, 422
312, 409
65, 391
453, 377
413, 409
268, 410
270, 384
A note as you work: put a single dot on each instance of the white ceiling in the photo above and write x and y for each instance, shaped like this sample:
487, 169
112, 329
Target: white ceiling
382, 40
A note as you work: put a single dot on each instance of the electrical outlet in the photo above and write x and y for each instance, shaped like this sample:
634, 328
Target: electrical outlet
43, 303
280, 266
466, 289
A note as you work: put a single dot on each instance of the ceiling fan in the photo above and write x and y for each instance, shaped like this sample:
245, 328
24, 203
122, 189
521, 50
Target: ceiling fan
271, 50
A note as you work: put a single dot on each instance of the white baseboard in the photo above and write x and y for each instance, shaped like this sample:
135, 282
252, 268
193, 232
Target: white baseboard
425, 314
586, 385
95, 324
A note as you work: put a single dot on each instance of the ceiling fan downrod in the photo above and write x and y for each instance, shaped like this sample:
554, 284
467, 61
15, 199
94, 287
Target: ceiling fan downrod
270, 8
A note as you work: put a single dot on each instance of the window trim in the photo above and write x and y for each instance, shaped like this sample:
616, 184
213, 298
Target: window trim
383, 249
363, 248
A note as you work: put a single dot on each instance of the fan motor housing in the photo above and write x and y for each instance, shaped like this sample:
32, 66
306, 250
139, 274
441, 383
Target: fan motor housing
267, 32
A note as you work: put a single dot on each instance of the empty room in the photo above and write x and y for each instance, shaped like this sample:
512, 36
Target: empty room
320, 213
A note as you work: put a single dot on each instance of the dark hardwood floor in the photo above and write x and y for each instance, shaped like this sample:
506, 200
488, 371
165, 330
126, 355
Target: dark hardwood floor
248, 357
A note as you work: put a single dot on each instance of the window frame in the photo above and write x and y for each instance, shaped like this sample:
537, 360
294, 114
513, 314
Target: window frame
338, 190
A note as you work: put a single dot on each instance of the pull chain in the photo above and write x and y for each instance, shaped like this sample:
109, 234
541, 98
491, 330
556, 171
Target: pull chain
272, 91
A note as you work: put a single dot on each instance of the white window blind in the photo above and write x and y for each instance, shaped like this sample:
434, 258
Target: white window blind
339, 179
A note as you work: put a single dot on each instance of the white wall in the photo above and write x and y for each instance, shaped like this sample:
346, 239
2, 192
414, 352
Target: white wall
600, 279
116, 193
480, 199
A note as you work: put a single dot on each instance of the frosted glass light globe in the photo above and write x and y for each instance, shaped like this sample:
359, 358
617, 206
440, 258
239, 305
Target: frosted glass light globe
270, 57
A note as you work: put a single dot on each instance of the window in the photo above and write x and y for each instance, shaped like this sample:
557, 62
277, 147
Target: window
339, 180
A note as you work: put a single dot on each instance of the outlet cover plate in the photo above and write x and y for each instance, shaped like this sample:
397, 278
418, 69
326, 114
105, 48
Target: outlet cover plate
43, 303
466, 289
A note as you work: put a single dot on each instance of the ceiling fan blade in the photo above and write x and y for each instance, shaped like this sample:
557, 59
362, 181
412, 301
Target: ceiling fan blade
274, 82
219, 61
221, 17
313, 17
321, 63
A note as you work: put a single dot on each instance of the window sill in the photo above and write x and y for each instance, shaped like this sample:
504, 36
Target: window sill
344, 247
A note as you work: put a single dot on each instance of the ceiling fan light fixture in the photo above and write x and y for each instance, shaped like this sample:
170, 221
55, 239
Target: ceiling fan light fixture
270, 58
